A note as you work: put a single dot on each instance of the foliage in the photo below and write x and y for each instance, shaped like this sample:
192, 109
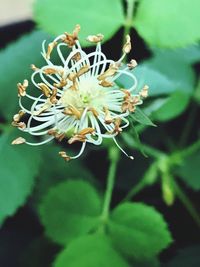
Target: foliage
93, 224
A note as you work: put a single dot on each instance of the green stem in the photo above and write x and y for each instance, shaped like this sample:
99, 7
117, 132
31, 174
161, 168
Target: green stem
129, 19
135, 190
191, 149
187, 203
188, 126
114, 157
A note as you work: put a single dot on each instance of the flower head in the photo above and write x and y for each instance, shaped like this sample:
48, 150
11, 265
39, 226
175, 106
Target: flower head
77, 98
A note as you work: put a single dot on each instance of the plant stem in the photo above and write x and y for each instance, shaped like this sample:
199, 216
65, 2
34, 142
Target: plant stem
135, 190
191, 149
114, 157
188, 125
129, 19
187, 203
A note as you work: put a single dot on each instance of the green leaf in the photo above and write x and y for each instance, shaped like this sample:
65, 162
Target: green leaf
136, 138
90, 251
19, 165
189, 171
168, 23
70, 209
141, 117
95, 17
189, 54
187, 257
172, 106
15, 67
138, 230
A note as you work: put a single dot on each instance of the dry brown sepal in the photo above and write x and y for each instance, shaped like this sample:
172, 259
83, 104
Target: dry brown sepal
58, 136
81, 136
64, 155
108, 119
22, 88
71, 110
95, 38
127, 45
132, 64
70, 39
144, 92
82, 71
50, 48
18, 141
45, 89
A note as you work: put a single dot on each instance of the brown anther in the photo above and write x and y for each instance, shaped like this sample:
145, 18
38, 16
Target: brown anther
52, 132
45, 89
22, 88
71, 110
85, 131
108, 118
62, 83
106, 83
82, 71
81, 136
17, 117
53, 98
20, 124
144, 92
50, 71
64, 155
117, 123
127, 45
95, 38
45, 107
77, 57
130, 102
94, 112
51, 46
109, 72
132, 64
18, 141
34, 68
70, 39
72, 77
77, 138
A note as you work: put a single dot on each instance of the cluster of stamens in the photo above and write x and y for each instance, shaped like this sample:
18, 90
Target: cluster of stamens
78, 99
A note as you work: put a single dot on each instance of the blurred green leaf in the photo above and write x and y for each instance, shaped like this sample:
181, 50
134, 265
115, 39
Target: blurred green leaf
188, 257
95, 17
168, 23
19, 165
189, 54
90, 251
172, 106
70, 209
189, 171
15, 67
154, 262
138, 230
141, 117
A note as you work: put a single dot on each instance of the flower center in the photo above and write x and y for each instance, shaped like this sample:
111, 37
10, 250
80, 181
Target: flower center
89, 94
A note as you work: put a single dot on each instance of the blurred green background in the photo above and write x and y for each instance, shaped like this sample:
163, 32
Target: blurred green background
48, 206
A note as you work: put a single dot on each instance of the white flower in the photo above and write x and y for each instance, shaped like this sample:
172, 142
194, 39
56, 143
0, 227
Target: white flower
77, 97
